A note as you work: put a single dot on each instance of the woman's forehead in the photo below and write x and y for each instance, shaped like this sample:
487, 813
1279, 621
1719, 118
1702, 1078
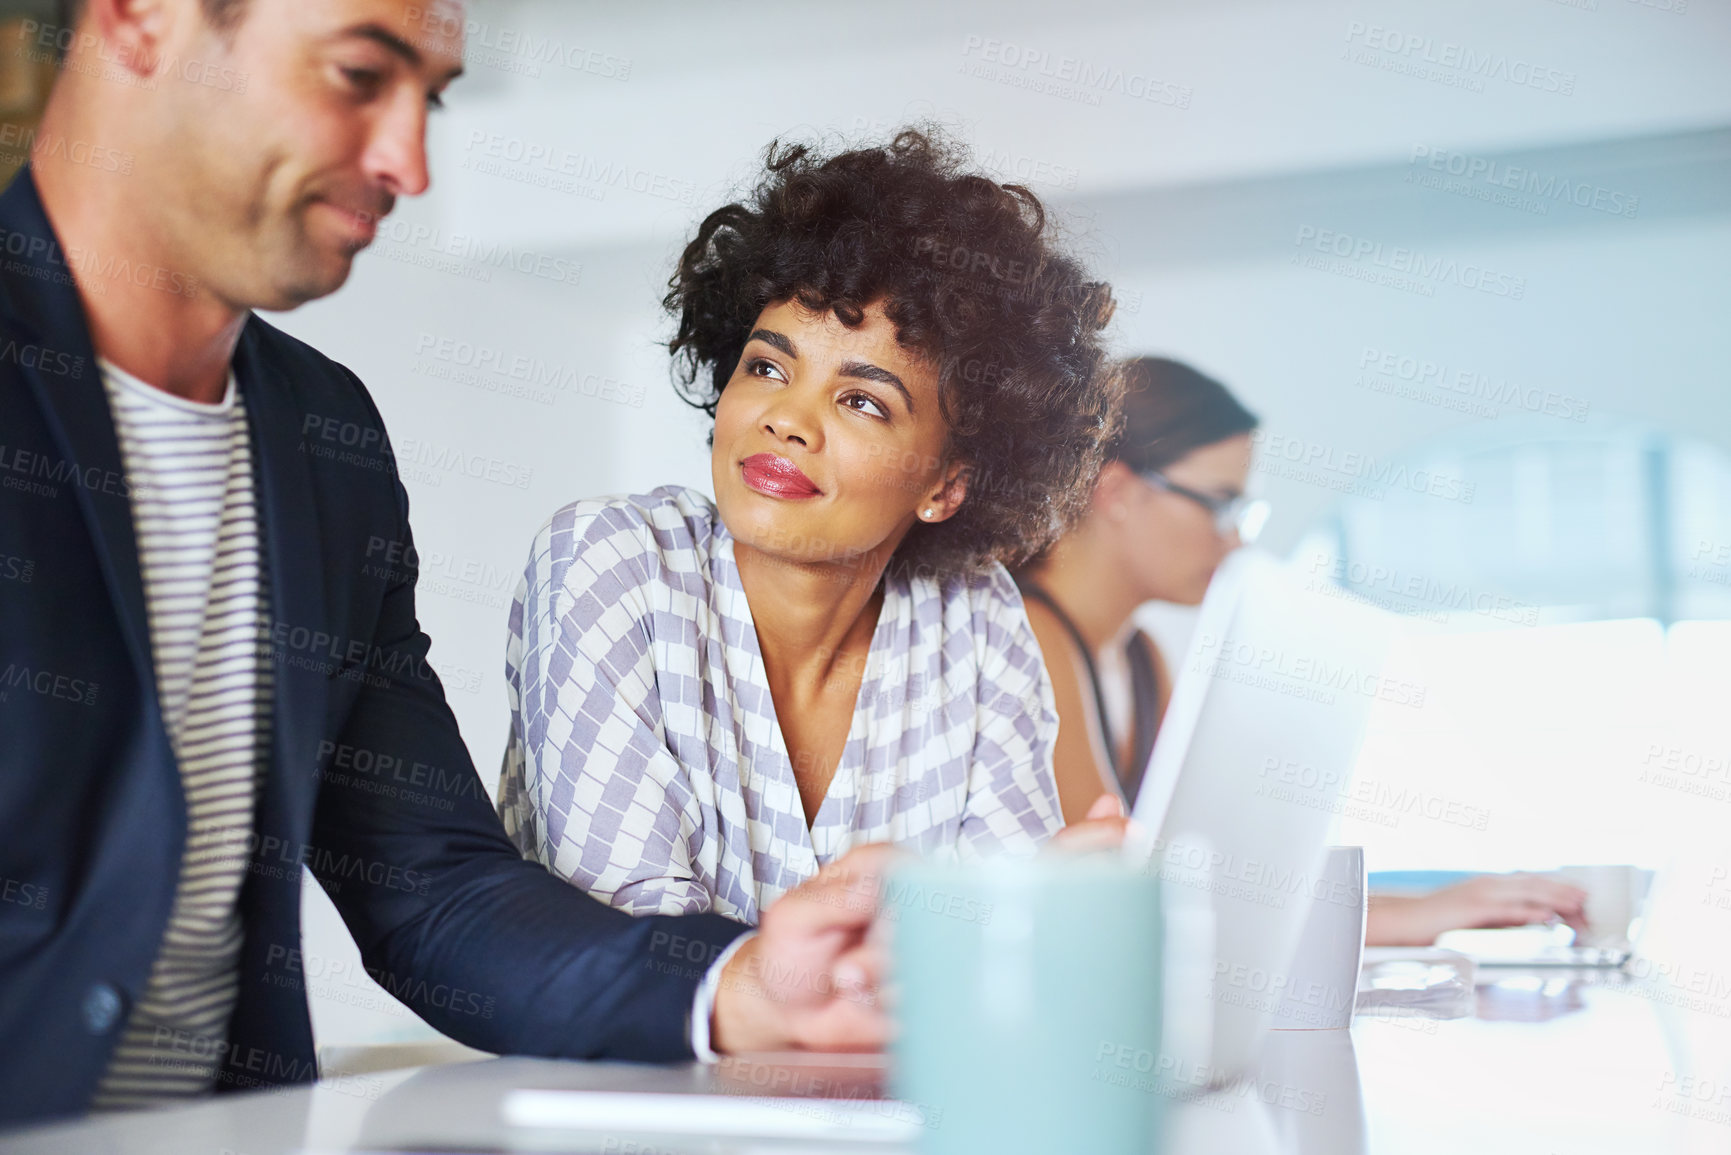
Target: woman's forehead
1225, 460
824, 336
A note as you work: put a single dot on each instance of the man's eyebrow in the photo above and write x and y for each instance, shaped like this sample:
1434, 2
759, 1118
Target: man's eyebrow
391, 42
866, 371
771, 337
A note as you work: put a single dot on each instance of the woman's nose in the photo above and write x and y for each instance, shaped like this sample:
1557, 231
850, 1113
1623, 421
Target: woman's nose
789, 418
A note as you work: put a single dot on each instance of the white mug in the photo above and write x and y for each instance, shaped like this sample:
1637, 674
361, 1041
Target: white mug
1611, 902
1321, 985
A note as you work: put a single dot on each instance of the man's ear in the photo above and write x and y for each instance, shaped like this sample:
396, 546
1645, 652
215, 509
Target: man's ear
941, 504
130, 34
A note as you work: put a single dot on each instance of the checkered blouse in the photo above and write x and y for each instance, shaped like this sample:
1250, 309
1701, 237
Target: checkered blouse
645, 763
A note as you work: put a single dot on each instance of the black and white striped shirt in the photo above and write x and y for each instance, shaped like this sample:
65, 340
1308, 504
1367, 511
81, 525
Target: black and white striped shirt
190, 471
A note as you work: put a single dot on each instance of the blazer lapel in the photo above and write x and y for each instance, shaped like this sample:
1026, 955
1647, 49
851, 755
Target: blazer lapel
43, 307
40, 304
289, 527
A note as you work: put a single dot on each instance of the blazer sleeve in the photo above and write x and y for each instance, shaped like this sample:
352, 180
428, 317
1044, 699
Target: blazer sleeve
488, 947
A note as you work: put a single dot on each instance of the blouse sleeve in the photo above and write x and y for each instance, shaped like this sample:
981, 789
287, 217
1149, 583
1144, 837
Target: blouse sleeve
589, 786
1012, 805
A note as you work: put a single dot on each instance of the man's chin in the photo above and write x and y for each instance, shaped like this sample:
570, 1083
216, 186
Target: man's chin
309, 285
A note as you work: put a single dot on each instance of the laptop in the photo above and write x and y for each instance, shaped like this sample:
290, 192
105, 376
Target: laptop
796, 1096
1267, 713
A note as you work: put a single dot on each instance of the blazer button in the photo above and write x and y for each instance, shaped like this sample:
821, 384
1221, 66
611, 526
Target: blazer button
102, 1006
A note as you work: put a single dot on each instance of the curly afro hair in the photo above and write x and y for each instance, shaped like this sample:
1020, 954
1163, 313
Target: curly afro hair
968, 274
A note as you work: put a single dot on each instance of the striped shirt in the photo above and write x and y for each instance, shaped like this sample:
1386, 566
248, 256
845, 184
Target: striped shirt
645, 762
190, 472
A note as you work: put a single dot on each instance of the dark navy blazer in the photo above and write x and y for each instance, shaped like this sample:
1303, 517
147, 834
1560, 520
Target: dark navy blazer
368, 785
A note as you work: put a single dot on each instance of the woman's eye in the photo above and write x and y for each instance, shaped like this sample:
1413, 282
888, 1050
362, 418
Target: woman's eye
758, 367
865, 403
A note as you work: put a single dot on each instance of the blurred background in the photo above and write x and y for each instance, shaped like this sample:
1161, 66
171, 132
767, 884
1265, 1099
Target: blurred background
1469, 261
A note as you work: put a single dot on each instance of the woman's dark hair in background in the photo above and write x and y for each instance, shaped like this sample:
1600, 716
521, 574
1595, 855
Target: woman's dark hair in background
1169, 410
967, 273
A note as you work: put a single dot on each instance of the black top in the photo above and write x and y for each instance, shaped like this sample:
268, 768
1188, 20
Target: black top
1144, 695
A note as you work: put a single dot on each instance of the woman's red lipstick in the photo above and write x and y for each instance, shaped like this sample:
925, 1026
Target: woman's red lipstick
776, 476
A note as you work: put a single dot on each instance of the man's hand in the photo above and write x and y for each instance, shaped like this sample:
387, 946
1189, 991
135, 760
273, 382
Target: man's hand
809, 979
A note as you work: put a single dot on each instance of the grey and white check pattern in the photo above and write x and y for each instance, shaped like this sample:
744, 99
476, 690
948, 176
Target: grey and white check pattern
645, 763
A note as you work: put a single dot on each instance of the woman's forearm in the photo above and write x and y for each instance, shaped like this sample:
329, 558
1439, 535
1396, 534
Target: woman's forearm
1398, 920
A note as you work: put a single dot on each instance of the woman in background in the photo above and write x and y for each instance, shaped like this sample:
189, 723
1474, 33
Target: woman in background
711, 700
1168, 507
1165, 512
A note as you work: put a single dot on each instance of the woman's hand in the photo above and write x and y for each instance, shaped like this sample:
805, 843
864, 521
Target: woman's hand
1102, 829
1490, 900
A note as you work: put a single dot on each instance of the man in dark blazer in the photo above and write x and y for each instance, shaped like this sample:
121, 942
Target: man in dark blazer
262, 141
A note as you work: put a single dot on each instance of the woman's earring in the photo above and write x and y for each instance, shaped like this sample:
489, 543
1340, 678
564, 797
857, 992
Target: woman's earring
928, 514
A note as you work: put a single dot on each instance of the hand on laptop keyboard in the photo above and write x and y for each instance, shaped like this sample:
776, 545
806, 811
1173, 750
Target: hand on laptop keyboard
1483, 902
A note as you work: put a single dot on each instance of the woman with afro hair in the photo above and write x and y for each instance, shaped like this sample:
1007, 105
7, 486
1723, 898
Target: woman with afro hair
711, 700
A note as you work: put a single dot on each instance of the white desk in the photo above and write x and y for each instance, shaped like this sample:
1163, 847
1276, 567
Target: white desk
1566, 1062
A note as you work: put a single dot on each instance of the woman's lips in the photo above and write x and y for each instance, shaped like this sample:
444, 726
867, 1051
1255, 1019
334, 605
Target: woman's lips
776, 476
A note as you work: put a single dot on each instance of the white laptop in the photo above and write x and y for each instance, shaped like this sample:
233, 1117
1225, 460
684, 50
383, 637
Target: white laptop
802, 1096
1267, 714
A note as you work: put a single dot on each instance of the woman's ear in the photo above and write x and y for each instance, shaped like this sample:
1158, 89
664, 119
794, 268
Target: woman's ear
1114, 490
942, 503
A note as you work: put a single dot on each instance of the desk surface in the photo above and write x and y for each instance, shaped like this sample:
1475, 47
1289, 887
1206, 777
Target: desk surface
1554, 1061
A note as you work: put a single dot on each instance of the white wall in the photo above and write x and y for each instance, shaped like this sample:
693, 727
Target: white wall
1265, 133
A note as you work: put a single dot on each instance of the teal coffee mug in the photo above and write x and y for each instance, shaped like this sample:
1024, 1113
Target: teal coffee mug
1027, 1001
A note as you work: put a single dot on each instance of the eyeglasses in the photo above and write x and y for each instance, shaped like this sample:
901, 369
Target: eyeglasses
1243, 513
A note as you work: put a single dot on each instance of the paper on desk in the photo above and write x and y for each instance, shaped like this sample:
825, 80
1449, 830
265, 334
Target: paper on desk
1427, 981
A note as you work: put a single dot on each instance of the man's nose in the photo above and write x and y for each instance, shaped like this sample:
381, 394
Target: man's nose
396, 156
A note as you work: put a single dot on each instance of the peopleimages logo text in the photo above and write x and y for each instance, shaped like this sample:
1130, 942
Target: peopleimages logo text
1423, 371
1472, 62
1220, 658
1078, 76
1524, 179
1400, 259
1378, 474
